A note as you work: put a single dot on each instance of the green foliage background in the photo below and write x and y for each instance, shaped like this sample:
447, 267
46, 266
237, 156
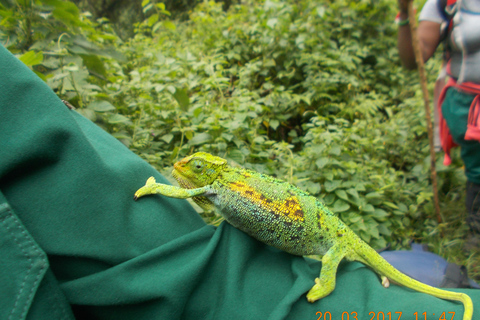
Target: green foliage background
308, 91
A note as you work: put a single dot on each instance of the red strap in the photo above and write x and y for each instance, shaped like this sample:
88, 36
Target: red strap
473, 126
446, 139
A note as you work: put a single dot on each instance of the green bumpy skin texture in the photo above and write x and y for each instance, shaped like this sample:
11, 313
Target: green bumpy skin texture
283, 216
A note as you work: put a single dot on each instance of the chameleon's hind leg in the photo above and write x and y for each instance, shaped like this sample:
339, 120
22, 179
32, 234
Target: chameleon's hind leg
325, 284
383, 279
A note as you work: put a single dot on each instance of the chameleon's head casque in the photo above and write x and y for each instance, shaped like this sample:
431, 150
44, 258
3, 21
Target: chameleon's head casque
198, 170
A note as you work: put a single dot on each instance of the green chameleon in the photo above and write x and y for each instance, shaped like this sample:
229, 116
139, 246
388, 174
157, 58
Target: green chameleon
283, 216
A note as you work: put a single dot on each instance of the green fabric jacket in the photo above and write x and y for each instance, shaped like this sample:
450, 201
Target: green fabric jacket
74, 244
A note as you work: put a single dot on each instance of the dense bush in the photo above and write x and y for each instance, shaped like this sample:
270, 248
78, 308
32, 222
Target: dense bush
311, 92
304, 91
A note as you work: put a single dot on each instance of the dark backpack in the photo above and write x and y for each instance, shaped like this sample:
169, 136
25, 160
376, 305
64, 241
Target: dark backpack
448, 8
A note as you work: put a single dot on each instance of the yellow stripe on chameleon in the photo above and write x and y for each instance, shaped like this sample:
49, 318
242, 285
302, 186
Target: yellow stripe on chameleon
289, 207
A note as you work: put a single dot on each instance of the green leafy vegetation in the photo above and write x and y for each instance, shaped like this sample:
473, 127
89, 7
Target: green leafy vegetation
310, 92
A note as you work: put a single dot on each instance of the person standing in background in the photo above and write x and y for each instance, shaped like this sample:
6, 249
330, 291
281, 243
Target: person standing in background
456, 24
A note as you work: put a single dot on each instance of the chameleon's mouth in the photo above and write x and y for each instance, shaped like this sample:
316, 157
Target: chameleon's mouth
182, 181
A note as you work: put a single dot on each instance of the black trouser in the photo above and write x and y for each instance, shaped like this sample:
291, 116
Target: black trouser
472, 202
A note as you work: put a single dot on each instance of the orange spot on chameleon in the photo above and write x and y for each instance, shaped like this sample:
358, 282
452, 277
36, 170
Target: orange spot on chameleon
290, 207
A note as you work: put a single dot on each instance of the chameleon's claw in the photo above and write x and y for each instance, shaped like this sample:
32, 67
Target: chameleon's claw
385, 282
138, 194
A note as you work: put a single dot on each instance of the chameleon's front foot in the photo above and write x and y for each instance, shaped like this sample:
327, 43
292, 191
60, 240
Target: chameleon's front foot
146, 189
318, 291
152, 187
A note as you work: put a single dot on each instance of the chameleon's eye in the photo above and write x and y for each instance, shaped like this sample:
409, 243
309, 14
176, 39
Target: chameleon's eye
197, 166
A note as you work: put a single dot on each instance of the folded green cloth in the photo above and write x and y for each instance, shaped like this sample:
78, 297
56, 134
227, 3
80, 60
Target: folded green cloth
73, 243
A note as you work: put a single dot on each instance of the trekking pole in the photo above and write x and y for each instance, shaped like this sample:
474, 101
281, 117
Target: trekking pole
426, 100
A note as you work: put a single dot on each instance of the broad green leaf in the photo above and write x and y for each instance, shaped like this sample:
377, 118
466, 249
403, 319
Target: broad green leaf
364, 234
380, 214
322, 162
274, 124
167, 137
355, 218
367, 208
182, 98
152, 20
374, 195
157, 26
82, 46
341, 194
390, 205
31, 58
147, 7
336, 150
328, 199
340, 206
118, 118
328, 175
402, 207
227, 136
189, 134
259, 140
272, 22
175, 152
413, 214
373, 230
169, 25
398, 213
353, 192
236, 155
332, 185
40, 75
65, 11
200, 138
101, 106
313, 187
384, 230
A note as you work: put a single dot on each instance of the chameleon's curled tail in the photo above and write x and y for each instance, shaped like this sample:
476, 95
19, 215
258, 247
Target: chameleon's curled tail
371, 258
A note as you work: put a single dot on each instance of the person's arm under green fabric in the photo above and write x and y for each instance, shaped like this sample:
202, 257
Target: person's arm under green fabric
71, 236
